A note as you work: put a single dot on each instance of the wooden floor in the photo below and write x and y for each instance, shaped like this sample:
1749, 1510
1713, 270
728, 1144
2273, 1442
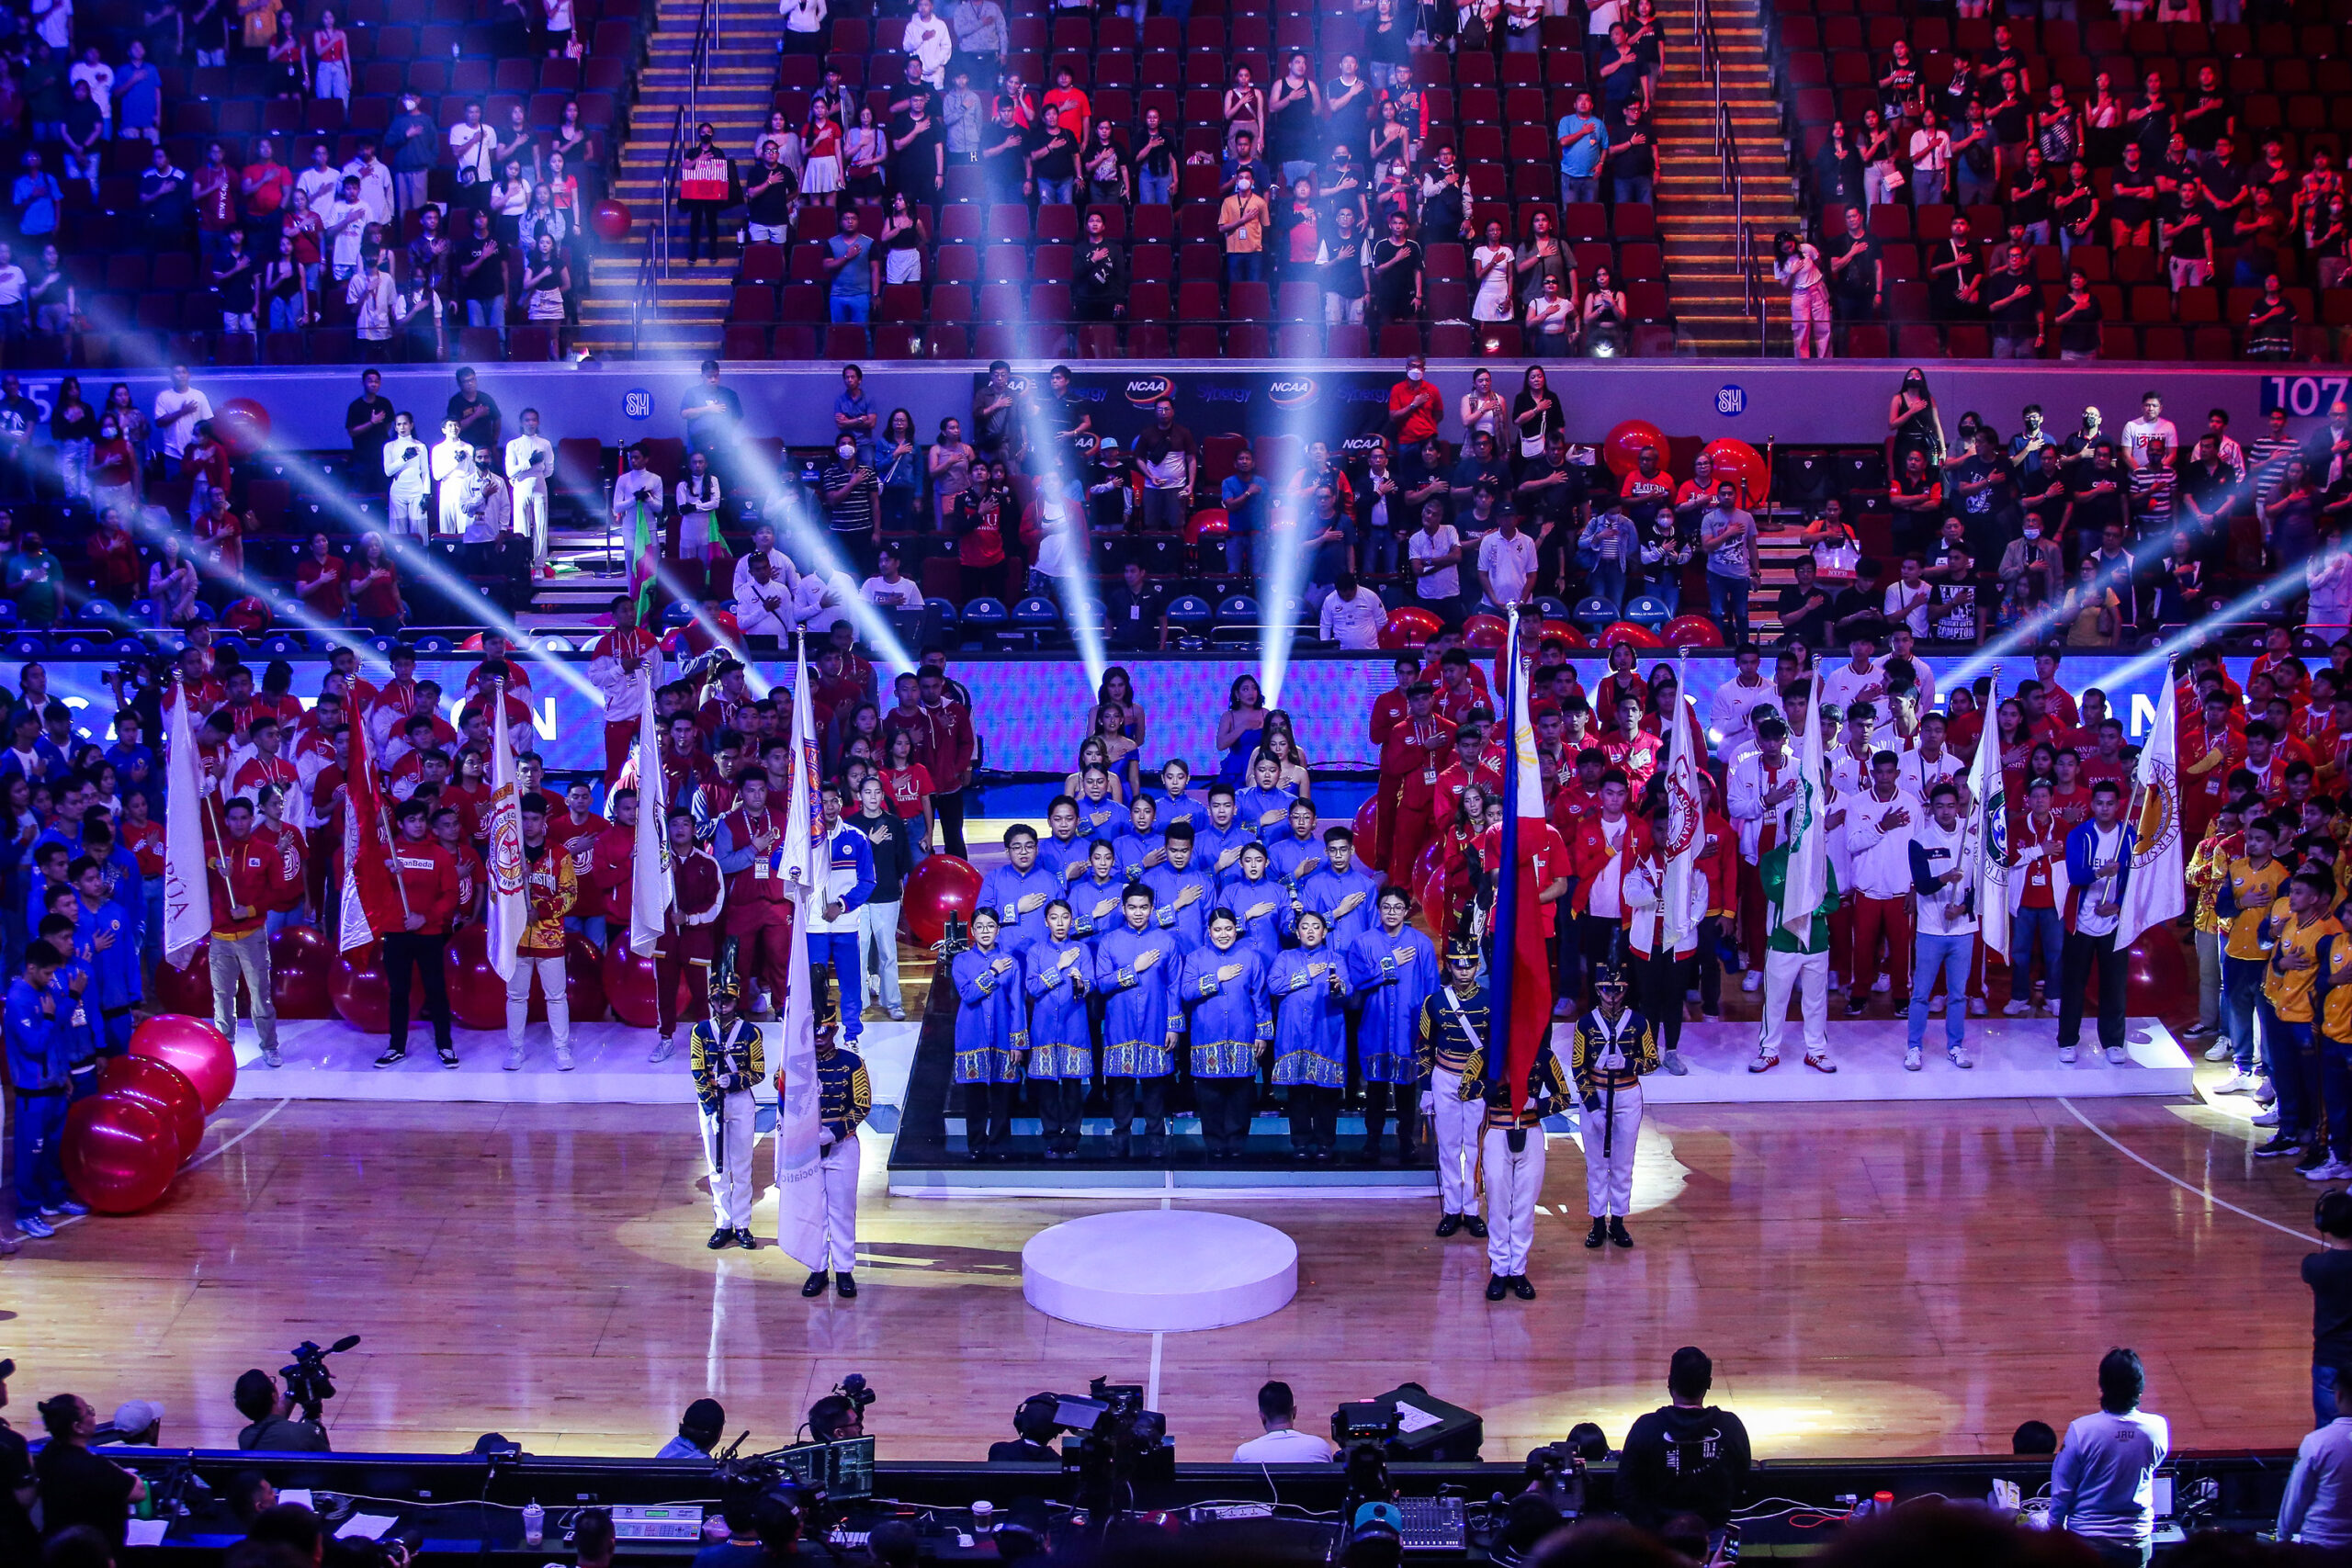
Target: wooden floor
1895, 1280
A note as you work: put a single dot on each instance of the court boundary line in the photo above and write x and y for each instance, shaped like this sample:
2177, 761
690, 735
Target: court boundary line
2119, 1148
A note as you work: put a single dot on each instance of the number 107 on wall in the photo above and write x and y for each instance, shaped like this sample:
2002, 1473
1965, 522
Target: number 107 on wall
2302, 396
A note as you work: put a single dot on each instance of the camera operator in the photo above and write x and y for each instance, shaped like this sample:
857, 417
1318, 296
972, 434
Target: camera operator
77, 1487
835, 1419
270, 1412
1034, 1421
1280, 1443
698, 1431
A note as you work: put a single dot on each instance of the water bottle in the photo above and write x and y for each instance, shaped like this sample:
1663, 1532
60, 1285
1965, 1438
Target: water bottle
535, 1520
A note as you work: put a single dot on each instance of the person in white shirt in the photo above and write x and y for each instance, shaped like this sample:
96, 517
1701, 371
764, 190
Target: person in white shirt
473, 147
1435, 552
636, 484
321, 180
1756, 798
1506, 565
1352, 615
1282, 1443
1928, 763
1880, 822
90, 68
1847, 756
343, 222
930, 41
2150, 427
450, 456
1860, 679
2103, 1483
1907, 597
780, 565
530, 463
179, 408
374, 297
1730, 712
822, 599
2317, 1507
888, 588
1943, 875
2100, 846
406, 468
762, 601
375, 177
1798, 267
1901, 643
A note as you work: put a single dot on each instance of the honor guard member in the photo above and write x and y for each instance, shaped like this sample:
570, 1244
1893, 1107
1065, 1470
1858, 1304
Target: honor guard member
1451, 1025
1393, 968
724, 1050
1183, 891
1512, 1155
549, 889
1309, 988
1340, 888
1055, 972
1135, 970
1223, 987
689, 932
1259, 904
990, 1036
844, 1098
1020, 890
1614, 1046
1094, 895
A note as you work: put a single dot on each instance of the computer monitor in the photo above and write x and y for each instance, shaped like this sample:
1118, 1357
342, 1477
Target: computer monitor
845, 1470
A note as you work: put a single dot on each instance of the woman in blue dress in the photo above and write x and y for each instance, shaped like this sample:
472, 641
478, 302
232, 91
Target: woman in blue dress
1261, 905
1223, 989
1238, 727
1058, 972
1309, 987
989, 1037
1394, 968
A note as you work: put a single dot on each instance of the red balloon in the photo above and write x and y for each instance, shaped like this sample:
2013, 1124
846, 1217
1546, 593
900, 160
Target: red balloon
2156, 977
610, 219
1209, 523
477, 994
1621, 448
360, 992
1410, 625
300, 963
120, 1154
583, 982
1367, 829
628, 984
1693, 631
939, 884
200, 1052
1483, 631
242, 425
1737, 460
188, 990
248, 615
1626, 631
163, 1086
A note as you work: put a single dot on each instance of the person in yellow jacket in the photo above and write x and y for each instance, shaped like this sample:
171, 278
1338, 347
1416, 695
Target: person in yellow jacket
2300, 927
2249, 886
551, 887
2208, 866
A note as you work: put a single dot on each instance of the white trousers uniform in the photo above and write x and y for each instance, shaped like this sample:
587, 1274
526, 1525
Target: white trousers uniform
726, 1141
1608, 1141
1807, 973
1455, 1122
408, 516
531, 515
1513, 1183
840, 1162
518, 1000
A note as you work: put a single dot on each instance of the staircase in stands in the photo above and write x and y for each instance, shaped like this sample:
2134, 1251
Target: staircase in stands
1694, 210
684, 314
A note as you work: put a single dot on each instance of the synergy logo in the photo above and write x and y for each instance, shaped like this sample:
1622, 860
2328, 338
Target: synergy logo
1294, 393
1144, 391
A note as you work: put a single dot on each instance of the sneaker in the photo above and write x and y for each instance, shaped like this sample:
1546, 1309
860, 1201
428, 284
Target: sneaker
1883, 983
1936, 1007
2239, 1082
2016, 1008
270, 1058
2219, 1051
2313, 1156
2262, 1093
513, 1058
393, 1056
1854, 1008
35, 1226
2065, 1056
897, 1015
449, 1054
1764, 1062
662, 1047
2279, 1147
1911, 1060
1672, 1062
2267, 1117
1752, 982
2116, 1056
73, 1208
1960, 1057
2328, 1170
564, 1058
2199, 1027
1977, 1007
1819, 1061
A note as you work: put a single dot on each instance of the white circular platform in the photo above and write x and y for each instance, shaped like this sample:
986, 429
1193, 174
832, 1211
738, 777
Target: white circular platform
1159, 1271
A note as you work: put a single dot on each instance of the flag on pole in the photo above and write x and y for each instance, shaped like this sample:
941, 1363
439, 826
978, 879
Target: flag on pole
654, 883
2155, 887
1808, 880
1520, 984
510, 913
644, 552
1988, 789
800, 1180
372, 891
187, 890
1685, 813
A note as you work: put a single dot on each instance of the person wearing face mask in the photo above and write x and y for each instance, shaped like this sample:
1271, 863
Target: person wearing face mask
706, 185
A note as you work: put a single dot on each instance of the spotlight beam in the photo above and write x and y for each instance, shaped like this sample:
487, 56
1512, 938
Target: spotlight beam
1081, 609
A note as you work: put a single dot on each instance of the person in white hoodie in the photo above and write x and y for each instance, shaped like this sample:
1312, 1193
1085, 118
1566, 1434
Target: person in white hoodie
1730, 711
2317, 1507
1943, 875
1880, 822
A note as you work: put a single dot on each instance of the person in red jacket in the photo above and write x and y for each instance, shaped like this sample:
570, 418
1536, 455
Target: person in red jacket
1409, 749
1719, 858
293, 855
1607, 844
608, 874
428, 878
473, 880
245, 876
947, 753
689, 933
759, 913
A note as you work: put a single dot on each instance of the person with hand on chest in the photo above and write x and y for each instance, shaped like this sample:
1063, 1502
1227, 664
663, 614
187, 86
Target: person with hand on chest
992, 1038
1512, 1152
725, 1052
1614, 1046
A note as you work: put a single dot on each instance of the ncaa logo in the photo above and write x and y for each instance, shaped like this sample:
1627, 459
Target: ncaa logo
1294, 393
1144, 391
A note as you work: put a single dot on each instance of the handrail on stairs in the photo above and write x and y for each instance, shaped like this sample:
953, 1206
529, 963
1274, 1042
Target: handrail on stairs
655, 267
1711, 65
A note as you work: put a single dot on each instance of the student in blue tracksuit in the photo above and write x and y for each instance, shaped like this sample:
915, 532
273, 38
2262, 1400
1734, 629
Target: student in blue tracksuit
49, 858
1217, 837
1393, 968
107, 937
1020, 890
1341, 889
73, 985
991, 1036
1182, 892
1094, 895
37, 1049
1263, 806
833, 924
1258, 902
1134, 969
1057, 972
1063, 850
1223, 990
1174, 805
1298, 853
1309, 984
1140, 845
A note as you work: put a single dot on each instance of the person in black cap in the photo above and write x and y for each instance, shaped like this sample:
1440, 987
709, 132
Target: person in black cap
698, 1431
1453, 1026
1511, 1153
725, 1054
1614, 1045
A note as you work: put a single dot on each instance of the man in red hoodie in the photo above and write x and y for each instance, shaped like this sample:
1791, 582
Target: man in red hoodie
948, 755
608, 873
428, 878
759, 913
689, 933
244, 874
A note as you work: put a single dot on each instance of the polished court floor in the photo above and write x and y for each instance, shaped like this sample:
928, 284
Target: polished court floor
1872, 1281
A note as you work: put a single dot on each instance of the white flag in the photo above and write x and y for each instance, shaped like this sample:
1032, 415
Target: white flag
2154, 886
1988, 790
655, 880
187, 891
1685, 818
1808, 875
510, 912
799, 860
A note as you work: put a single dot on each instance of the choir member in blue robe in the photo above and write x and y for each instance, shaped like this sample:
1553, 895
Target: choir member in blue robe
1094, 895
1263, 805
1258, 902
1135, 968
1298, 853
1223, 989
1020, 891
1063, 850
1057, 972
1175, 805
1140, 845
1392, 969
991, 1037
1182, 894
1100, 815
1309, 984
1341, 889
1217, 837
